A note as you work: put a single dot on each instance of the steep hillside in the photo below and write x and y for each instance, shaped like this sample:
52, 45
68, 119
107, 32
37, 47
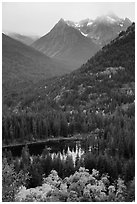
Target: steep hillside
23, 66
66, 43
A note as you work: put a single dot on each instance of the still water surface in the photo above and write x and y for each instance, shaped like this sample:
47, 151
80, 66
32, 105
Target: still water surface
57, 148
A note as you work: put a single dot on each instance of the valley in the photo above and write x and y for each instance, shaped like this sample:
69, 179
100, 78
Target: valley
69, 112
24, 66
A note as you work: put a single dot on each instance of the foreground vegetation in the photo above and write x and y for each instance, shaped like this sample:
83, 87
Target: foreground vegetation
79, 187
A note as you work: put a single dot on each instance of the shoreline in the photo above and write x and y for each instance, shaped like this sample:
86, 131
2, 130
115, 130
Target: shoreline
74, 138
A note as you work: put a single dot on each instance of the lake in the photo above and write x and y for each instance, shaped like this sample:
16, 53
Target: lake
55, 148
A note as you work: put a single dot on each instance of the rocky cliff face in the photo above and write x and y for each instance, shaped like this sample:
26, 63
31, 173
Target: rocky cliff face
103, 29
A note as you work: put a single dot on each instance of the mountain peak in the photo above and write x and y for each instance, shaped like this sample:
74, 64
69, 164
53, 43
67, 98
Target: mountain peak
61, 22
127, 20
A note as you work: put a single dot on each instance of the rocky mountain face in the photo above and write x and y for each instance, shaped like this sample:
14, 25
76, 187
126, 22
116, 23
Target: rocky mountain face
66, 43
76, 42
103, 29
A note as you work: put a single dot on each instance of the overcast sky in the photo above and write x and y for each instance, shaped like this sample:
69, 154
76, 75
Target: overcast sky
39, 18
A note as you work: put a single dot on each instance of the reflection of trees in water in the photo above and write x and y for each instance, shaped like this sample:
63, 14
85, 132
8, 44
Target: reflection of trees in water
63, 148
61, 151
71, 150
75, 149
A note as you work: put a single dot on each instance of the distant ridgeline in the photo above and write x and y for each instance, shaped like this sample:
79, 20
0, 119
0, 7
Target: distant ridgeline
23, 66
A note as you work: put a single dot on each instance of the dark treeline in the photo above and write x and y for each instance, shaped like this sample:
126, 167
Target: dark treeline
113, 151
21, 126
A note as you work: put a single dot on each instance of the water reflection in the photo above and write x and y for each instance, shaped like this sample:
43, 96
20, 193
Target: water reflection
73, 151
58, 149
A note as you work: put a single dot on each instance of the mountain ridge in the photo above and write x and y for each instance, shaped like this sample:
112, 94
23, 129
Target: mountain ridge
106, 73
103, 29
67, 43
118, 53
22, 66
26, 39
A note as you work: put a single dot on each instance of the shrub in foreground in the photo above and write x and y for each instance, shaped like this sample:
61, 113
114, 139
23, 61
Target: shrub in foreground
79, 187
11, 181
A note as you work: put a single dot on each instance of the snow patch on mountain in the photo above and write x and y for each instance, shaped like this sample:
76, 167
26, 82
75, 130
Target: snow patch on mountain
77, 25
89, 23
121, 24
84, 34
